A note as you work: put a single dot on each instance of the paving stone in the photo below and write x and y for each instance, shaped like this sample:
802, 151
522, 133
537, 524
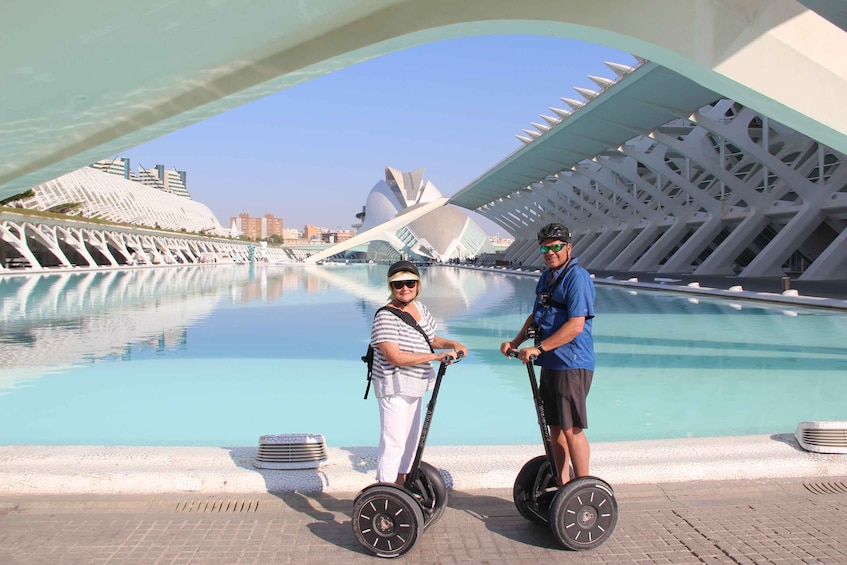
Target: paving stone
700, 526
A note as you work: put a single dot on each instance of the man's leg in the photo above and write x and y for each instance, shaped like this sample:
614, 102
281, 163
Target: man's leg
580, 452
560, 453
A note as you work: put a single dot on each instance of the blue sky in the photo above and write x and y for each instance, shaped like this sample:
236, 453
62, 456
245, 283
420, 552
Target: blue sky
311, 154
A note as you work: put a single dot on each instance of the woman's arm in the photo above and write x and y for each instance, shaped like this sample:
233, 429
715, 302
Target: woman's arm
391, 351
441, 343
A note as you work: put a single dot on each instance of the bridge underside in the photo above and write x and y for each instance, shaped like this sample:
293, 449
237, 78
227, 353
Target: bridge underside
679, 190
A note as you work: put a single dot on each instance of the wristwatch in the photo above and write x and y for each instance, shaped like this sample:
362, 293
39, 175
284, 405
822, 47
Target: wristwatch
540, 348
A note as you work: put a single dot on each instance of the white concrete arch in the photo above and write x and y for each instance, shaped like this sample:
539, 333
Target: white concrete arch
775, 56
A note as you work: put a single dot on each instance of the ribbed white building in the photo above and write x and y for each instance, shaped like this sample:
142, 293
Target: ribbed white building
442, 235
92, 193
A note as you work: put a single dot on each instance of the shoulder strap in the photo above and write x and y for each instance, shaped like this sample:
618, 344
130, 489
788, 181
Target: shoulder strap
368, 358
409, 319
557, 282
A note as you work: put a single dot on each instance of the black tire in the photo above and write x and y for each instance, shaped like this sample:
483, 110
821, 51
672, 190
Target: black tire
584, 513
432, 490
534, 490
387, 520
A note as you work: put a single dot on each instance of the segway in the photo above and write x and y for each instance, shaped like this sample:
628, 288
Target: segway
583, 513
388, 519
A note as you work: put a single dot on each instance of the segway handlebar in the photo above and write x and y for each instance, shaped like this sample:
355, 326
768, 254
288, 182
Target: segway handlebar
514, 353
449, 360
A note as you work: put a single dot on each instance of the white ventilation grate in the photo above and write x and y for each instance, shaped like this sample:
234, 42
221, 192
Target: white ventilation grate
822, 436
291, 451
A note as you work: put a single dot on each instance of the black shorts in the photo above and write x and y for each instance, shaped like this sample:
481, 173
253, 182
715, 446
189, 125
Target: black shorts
563, 394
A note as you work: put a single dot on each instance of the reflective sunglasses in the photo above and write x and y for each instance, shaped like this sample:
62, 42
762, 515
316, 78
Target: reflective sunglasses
397, 285
554, 248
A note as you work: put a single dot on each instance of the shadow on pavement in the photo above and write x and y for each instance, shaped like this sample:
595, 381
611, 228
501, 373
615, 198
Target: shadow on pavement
788, 439
501, 517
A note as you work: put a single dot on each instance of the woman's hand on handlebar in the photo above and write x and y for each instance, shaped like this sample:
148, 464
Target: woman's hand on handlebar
453, 356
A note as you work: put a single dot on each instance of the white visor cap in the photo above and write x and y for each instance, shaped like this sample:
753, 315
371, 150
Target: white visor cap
404, 276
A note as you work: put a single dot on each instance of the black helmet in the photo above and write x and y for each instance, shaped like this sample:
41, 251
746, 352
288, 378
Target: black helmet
554, 231
403, 266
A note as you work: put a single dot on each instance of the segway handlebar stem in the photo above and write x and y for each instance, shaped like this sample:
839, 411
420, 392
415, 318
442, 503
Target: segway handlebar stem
539, 410
430, 410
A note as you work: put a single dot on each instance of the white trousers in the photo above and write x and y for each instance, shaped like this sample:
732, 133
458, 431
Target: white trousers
400, 423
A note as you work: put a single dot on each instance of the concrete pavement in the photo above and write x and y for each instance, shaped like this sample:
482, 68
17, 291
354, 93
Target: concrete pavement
755, 499
779, 521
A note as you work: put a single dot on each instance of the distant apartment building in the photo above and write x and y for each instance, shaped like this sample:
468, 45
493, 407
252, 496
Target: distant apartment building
311, 232
325, 235
166, 180
118, 166
170, 181
337, 236
258, 228
292, 234
316, 235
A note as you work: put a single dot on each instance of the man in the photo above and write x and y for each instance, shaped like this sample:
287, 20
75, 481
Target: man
560, 324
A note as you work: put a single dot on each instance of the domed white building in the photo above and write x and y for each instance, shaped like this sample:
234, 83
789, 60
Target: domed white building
444, 234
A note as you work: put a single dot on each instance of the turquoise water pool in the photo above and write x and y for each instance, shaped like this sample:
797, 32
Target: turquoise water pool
220, 355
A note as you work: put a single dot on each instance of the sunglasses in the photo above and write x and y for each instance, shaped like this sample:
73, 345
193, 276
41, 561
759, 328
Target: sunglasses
554, 248
397, 285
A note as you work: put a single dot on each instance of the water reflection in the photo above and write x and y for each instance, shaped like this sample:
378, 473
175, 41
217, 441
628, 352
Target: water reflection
282, 344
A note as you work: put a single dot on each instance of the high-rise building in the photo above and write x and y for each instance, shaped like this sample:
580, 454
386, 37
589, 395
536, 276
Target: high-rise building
258, 228
118, 166
167, 180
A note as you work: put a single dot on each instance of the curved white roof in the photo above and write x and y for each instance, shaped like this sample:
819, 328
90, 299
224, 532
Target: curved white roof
113, 198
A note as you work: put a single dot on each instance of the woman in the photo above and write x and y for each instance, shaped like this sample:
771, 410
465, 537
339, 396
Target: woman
402, 370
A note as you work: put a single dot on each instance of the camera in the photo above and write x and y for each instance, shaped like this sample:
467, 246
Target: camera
533, 332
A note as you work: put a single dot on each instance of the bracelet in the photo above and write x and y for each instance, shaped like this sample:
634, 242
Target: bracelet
540, 348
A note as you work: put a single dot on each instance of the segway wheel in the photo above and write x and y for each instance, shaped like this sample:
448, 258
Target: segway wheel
583, 513
432, 492
387, 520
534, 490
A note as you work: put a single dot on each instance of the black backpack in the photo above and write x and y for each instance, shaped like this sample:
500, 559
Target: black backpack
368, 358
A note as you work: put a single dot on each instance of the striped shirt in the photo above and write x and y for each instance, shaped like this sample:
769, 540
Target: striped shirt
390, 380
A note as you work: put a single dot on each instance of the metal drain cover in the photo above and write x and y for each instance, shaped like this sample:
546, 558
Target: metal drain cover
826, 488
218, 506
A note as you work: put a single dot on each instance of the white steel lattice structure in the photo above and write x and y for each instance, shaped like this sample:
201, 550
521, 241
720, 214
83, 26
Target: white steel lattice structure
715, 189
32, 243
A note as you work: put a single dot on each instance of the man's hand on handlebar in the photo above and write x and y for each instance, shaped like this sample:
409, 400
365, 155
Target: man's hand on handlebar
525, 355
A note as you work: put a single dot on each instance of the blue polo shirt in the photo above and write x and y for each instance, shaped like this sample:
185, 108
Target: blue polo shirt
571, 296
